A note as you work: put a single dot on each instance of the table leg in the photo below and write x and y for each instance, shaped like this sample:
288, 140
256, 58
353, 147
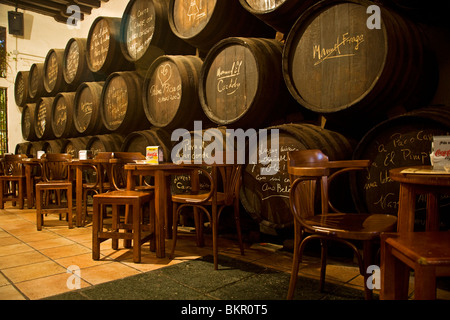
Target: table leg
79, 195
160, 208
406, 208
29, 183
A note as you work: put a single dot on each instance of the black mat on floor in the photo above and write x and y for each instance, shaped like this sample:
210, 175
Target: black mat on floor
197, 280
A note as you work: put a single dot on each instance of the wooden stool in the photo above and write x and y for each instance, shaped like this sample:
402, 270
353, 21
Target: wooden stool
427, 253
131, 230
54, 209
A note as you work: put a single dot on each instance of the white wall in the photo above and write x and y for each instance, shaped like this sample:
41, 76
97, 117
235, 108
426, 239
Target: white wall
41, 34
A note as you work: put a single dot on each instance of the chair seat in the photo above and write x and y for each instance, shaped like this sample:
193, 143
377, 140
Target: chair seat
197, 198
351, 226
54, 184
125, 194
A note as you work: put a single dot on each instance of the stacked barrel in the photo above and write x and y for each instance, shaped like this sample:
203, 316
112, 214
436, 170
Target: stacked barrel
315, 72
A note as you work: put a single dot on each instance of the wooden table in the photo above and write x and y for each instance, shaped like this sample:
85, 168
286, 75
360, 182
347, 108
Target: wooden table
419, 180
161, 173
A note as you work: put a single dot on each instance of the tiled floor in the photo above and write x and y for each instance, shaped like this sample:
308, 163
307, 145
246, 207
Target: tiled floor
33, 264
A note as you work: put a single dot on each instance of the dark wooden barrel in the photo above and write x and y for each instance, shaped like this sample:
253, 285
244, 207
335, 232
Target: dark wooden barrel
36, 88
35, 147
204, 23
74, 145
27, 122
62, 115
43, 118
341, 68
53, 146
53, 72
105, 143
104, 55
404, 140
21, 95
87, 104
23, 148
137, 141
280, 14
146, 34
242, 84
170, 92
266, 197
121, 103
75, 67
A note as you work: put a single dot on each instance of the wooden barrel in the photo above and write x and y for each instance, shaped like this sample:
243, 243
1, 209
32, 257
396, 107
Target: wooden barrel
137, 141
36, 88
105, 143
121, 103
204, 23
53, 72
75, 67
242, 84
404, 140
35, 147
266, 197
146, 34
170, 92
53, 146
43, 118
62, 115
74, 145
87, 106
21, 95
23, 148
280, 15
27, 122
341, 68
104, 55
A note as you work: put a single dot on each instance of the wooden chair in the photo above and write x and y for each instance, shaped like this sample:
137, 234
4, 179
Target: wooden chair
13, 180
56, 179
103, 179
215, 199
134, 226
310, 170
426, 253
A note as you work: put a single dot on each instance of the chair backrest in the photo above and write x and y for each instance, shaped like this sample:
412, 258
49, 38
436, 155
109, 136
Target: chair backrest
55, 166
119, 176
310, 176
12, 165
104, 169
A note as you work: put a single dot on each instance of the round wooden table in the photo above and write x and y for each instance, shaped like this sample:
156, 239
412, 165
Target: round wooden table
419, 180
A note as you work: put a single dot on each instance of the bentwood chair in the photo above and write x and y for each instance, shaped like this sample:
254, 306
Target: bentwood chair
137, 222
56, 181
211, 202
311, 174
13, 180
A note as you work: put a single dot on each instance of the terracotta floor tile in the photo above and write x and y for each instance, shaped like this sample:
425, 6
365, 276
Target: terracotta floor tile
9, 240
3, 280
20, 259
82, 261
33, 271
107, 272
64, 251
10, 293
14, 249
48, 286
50, 243
37, 236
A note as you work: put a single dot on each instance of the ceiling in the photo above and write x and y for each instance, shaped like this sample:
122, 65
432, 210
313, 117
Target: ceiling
55, 8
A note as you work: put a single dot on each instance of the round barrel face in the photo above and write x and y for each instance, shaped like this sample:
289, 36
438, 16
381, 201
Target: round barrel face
83, 109
27, 120
41, 118
20, 88
51, 71
99, 44
164, 93
59, 117
35, 79
231, 84
115, 103
96, 147
190, 17
72, 61
336, 59
264, 5
140, 27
